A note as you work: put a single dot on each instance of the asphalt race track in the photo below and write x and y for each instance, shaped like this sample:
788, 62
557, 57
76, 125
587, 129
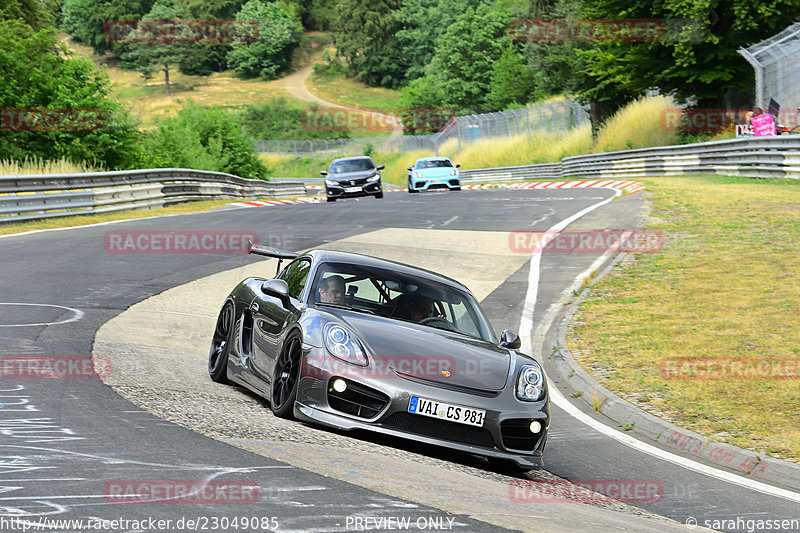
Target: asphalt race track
74, 449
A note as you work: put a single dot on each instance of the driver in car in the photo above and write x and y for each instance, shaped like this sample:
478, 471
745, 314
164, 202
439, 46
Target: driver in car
331, 290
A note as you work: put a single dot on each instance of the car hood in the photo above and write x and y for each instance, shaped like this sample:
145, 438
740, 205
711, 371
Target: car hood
423, 352
437, 173
360, 174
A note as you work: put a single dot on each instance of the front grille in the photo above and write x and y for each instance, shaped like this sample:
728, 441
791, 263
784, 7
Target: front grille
517, 434
357, 400
441, 429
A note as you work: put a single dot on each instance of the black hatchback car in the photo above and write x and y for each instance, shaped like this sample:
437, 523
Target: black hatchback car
350, 177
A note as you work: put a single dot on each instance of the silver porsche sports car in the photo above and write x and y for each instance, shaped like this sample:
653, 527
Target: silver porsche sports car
356, 342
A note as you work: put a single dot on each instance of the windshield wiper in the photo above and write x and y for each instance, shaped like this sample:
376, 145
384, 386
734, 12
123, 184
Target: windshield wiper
340, 306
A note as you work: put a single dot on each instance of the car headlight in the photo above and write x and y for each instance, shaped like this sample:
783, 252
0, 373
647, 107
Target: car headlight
530, 383
331, 183
417, 175
343, 344
454, 172
376, 177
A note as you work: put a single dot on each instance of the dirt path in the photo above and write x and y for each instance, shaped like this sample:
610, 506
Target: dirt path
295, 84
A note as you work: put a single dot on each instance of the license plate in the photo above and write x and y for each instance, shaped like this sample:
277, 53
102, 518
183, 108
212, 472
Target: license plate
446, 411
352, 189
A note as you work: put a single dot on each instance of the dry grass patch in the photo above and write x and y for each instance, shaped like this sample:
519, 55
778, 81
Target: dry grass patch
725, 288
639, 124
40, 166
352, 93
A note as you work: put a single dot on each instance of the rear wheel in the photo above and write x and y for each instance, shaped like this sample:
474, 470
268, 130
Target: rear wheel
285, 379
221, 345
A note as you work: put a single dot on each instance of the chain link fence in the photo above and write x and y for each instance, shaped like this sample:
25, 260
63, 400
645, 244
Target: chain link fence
777, 68
550, 118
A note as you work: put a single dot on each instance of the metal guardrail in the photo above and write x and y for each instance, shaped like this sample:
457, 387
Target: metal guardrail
762, 157
30, 197
44, 196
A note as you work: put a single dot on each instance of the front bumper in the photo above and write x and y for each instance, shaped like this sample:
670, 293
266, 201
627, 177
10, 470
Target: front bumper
425, 184
353, 191
380, 404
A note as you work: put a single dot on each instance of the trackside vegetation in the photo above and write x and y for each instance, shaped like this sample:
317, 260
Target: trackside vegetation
704, 332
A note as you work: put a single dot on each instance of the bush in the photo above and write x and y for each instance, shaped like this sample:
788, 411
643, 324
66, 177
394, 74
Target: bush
68, 96
280, 119
279, 32
204, 138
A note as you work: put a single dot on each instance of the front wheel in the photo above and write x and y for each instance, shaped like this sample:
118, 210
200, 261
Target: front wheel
379, 195
410, 188
286, 378
330, 199
221, 345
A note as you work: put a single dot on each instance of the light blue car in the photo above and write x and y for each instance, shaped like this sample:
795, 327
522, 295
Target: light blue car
433, 173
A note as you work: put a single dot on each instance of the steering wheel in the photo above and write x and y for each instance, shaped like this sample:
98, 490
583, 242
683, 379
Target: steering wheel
437, 322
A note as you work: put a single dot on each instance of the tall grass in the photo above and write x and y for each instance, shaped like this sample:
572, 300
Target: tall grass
40, 166
637, 125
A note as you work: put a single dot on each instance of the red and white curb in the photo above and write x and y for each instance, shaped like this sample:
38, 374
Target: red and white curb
628, 186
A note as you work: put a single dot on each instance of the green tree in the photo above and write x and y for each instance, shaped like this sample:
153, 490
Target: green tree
462, 64
204, 138
423, 22
89, 20
279, 32
149, 54
557, 67
203, 58
281, 119
364, 32
55, 105
37, 14
512, 82
694, 59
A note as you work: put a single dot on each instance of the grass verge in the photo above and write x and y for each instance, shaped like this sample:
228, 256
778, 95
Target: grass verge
724, 290
351, 93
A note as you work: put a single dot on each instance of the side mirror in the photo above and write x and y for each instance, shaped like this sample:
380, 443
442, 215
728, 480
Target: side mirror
277, 288
510, 340
410, 168
380, 167
458, 166
323, 172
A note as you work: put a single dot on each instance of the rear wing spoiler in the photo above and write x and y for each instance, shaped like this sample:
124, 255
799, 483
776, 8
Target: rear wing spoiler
266, 251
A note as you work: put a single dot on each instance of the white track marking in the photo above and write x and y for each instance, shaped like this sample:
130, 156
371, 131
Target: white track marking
77, 314
526, 334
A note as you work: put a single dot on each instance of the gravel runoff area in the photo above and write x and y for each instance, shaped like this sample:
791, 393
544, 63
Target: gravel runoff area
158, 362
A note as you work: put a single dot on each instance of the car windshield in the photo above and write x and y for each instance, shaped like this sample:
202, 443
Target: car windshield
400, 297
353, 165
434, 164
